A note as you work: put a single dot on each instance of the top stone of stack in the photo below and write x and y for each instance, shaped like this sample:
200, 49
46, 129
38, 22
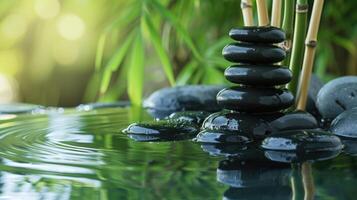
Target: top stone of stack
258, 34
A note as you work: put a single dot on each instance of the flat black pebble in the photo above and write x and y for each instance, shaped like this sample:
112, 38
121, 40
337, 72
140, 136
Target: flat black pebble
337, 96
294, 121
165, 129
301, 157
240, 123
345, 124
212, 136
257, 100
228, 150
258, 193
166, 101
259, 75
253, 53
302, 141
258, 34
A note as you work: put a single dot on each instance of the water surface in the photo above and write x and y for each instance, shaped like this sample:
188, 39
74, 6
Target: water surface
84, 155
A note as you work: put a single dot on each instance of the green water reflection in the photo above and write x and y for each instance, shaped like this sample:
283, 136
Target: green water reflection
84, 155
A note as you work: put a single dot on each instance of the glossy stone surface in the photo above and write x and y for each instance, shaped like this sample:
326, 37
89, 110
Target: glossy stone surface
258, 34
345, 124
259, 193
253, 53
240, 123
195, 117
161, 130
302, 141
216, 136
259, 75
229, 150
337, 96
314, 88
294, 121
166, 101
256, 100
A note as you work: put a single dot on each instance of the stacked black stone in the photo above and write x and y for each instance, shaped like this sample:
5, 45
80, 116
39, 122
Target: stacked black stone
257, 97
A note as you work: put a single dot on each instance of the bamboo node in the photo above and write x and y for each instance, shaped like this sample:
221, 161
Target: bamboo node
302, 8
311, 43
244, 5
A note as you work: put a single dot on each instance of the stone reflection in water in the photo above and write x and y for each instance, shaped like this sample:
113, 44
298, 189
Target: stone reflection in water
254, 180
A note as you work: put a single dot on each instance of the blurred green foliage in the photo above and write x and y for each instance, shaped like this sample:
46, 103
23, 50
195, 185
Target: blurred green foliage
68, 52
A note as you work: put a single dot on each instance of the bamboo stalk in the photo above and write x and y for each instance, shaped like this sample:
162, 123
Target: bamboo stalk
308, 181
297, 53
246, 6
276, 13
288, 27
310, 47
263, 17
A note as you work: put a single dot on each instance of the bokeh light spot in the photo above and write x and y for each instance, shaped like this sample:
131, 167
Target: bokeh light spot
47, 9
14, 26
71, 27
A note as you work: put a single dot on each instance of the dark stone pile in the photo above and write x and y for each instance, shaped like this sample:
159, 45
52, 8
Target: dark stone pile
257, 100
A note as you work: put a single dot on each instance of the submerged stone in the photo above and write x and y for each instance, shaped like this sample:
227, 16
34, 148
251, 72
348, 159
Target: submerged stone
242, 174
166, 101
253, 53
161, 130
229, 150
240, 123
295, 121
302, 141
195, 117
350, 146
337, 96
345, 124
258, 34
216, 136
259, 75
256, 100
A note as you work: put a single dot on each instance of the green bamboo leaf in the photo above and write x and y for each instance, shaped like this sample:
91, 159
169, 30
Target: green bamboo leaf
178, 26
114, 63
163, 56
136, 71
100, 51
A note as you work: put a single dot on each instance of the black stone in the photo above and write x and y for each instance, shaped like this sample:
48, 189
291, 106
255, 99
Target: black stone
229, 150
253, 53
314, 88
259, 193
212, 136
337, 96
295, 121
240, 123
195, 117
161, 130
166, 101
258, 75
257, 100
302, 141
258, 34
345, 124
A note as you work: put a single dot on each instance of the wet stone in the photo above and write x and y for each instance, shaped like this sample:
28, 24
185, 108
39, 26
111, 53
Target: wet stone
211, 136
164, 102
259, 193
161, 130
195, 117
345, 124
295, 121
314, 88
258, 75
227, 150
302, 141
337, 96
255, 100
258, 34
240, 123
253, 53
